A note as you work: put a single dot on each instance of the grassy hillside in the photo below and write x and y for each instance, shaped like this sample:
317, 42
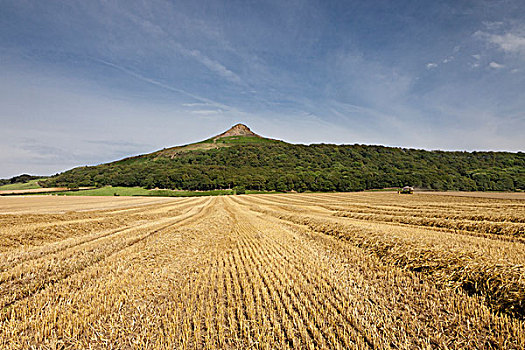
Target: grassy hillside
236, 140
215, 143
263, 164
31, 184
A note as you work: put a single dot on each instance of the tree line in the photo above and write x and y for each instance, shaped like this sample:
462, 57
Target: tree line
320, 167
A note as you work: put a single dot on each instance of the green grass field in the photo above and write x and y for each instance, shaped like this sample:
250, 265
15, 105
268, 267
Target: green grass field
107, 191
30, 185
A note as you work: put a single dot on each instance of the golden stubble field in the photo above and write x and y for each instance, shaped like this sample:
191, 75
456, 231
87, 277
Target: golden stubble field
285, 271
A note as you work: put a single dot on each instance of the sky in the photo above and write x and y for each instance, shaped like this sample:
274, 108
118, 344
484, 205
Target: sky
87, 82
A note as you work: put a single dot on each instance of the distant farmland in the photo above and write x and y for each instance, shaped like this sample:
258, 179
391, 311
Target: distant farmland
271, 271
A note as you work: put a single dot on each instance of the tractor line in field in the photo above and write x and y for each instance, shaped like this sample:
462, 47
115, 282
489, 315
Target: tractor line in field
39, 277
13, 259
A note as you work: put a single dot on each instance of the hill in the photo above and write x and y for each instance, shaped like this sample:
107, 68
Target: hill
239, 157
21, 182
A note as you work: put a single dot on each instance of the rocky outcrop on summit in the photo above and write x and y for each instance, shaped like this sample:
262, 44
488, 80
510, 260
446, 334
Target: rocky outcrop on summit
237, 130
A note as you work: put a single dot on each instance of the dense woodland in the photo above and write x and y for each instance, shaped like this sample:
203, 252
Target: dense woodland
286, 167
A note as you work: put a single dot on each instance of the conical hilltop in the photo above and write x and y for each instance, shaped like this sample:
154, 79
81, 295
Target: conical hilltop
236, 135
237, 130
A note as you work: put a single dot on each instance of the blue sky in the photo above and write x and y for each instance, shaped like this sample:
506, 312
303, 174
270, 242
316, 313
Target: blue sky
85, 82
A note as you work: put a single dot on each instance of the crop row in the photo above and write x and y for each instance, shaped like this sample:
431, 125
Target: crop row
501, 284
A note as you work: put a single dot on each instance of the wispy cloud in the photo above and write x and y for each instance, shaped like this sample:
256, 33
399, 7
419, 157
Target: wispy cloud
194, 104
163, 85
206, 111
510, 42
213, 65
496, 65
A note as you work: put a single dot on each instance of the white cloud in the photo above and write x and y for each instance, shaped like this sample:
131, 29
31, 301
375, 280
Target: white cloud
195, 104
510, 42
496, 65
431, 65
206, 111
474, 65
477, 57
448, 59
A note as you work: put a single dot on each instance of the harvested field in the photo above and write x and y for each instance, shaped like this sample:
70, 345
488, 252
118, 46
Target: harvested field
494, 195
62, 204
290, 271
